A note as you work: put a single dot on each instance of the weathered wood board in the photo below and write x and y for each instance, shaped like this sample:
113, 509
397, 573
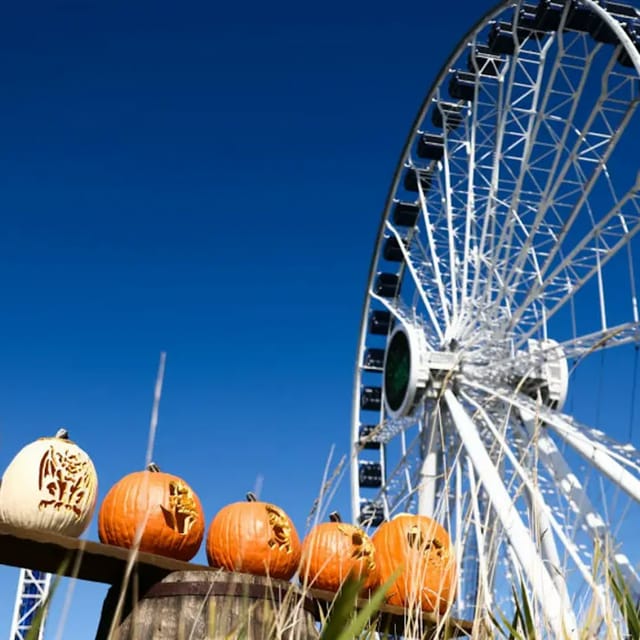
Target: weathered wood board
107, 564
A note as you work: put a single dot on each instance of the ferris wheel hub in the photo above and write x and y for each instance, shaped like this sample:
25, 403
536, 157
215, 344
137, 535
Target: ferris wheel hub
413, 371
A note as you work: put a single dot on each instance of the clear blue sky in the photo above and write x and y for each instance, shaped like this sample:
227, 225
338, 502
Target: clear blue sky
205, 179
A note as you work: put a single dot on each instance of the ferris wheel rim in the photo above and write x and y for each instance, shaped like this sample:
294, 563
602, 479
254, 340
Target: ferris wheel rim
385, 213
400, 166
385, 226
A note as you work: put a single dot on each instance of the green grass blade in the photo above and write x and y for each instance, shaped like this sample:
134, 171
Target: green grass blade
495, 622
343, 622
342, 610
624, 599
364, 615
511, 630
529, 627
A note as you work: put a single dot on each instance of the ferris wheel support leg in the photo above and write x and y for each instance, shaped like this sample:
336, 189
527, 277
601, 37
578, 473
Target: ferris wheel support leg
428, 471
596, 455
577, 498
594, 452
556, 610
545, 532
427, 489
478, 519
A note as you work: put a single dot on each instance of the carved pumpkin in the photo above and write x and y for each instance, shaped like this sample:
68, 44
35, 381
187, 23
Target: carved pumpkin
333, 551
160, 507
50, 485
254, 537
422, 548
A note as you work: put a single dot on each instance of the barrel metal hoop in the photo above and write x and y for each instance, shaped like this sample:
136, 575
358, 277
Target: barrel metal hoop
231, 589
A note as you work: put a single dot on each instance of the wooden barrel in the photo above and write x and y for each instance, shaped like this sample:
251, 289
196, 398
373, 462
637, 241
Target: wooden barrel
198, 605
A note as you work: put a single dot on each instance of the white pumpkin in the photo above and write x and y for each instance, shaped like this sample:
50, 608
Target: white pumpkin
51, 485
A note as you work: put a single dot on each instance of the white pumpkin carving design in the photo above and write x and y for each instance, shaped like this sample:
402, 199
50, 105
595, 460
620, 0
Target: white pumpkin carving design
51, 485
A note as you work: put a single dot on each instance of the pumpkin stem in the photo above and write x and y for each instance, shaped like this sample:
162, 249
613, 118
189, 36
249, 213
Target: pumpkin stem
334, 516
251, 497
63, 434
153, 467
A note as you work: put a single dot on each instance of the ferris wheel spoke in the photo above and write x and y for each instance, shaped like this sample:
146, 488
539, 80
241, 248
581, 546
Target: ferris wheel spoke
522, 95
469, 141
552, 156
585, 260
483, 178
559, 614
400, 311
451, 235
528, 119
575, 349
435, 259
409, 261
490, 225
582, 346
597, 153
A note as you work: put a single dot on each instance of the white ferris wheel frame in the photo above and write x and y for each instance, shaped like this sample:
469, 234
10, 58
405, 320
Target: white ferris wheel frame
548, 589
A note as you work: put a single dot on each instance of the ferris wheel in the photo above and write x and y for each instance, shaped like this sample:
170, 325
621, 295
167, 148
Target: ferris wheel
506, 262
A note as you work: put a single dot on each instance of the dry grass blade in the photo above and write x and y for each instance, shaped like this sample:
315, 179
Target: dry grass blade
327, 483
157, 395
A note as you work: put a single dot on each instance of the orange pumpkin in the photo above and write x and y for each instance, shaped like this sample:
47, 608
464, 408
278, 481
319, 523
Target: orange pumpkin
254, 537
333, 551
422, 549
162, 505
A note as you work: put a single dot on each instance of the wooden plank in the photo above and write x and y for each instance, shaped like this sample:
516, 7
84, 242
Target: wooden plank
105, 563
85, 559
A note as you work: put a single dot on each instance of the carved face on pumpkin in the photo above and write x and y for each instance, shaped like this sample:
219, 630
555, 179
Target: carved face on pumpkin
50, 485
160, 507
422, 549
254, 537
333, 551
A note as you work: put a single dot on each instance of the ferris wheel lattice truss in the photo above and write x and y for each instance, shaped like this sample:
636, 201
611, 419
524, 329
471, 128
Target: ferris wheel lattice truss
506, 259
32, 594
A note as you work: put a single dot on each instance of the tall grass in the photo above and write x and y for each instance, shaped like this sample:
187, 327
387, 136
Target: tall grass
348, 616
